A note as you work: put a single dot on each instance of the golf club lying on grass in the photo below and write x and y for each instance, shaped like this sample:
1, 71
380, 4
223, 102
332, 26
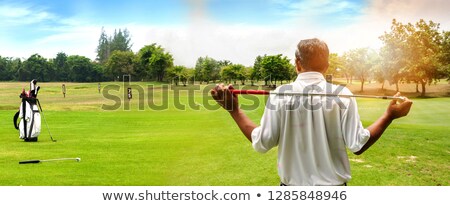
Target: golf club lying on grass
264, 92
49, 160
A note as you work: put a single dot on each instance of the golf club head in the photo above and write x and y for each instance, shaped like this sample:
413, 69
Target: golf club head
36, 91
33, 84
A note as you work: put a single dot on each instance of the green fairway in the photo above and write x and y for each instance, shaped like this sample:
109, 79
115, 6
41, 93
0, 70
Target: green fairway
196, 146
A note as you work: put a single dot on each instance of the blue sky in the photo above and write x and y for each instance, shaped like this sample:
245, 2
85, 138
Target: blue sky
237, 30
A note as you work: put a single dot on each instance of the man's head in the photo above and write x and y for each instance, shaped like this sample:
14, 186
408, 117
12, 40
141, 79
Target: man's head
311, 56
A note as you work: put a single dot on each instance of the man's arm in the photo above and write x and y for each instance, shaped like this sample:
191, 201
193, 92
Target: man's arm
393, 111
229, 101
245, 124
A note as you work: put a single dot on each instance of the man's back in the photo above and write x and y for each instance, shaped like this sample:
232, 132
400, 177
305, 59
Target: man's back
312, 132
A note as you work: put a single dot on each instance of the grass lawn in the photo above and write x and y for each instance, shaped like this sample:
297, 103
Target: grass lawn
196, 146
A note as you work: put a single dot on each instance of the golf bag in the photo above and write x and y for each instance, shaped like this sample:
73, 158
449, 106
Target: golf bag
30, 118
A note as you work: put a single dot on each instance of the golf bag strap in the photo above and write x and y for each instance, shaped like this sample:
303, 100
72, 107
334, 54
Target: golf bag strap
32, 122
24, 109
32, 114
16, 116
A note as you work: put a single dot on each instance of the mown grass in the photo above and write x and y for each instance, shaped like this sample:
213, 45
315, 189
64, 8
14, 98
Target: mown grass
196, 146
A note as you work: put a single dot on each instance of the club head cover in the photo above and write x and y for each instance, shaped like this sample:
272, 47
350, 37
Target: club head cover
36, 91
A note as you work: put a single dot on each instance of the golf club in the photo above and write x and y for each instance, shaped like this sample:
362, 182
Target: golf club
49, 160
263, 92
42, 113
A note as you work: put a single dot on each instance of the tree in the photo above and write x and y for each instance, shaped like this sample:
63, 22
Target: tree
16, 65
82, 69
357, 60
190, 73
120, 41
255, 72
152, 61
61, 67
374, 64
159, 62
98, 72
413, 52
185, 75
378, 69
103, 48
216, 73
276, 67
444, 56
234, 72
423, 52
119, 64
227, 74
177, 74
207, 69
393, 53
142, 61
5, 65
244, 74
198, 69
36, 67
335, 64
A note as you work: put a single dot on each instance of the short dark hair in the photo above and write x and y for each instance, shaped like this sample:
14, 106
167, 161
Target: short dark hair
312, 54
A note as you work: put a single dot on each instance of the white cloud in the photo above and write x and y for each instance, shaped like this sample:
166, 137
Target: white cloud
8, 11
15, 15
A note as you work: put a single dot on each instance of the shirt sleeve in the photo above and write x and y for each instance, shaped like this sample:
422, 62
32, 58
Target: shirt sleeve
266, 136
355, 136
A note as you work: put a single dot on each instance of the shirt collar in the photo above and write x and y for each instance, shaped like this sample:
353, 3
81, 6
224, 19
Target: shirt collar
310, 75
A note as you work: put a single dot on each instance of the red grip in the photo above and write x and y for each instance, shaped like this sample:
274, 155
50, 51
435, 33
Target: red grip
260, 92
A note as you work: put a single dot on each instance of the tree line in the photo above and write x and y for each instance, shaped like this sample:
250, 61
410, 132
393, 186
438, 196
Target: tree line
417, 53
413, 53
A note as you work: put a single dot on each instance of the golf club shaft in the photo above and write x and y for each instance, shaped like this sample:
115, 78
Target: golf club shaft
60, 159
263, 92
42, 113
48, 160
260, 92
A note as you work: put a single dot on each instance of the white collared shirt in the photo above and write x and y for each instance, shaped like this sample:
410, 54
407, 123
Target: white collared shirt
311, 132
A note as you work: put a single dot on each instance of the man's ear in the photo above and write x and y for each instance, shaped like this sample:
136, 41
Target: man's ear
298, 66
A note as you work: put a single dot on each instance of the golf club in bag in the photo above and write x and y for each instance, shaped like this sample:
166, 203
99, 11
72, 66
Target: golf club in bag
30, 115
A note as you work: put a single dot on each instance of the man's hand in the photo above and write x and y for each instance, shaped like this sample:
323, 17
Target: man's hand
223, 96
401, 109
395, 110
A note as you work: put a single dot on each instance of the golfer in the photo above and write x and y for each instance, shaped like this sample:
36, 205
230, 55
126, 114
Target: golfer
311, 132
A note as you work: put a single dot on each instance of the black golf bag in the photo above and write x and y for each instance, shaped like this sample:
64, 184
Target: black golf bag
30, 119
